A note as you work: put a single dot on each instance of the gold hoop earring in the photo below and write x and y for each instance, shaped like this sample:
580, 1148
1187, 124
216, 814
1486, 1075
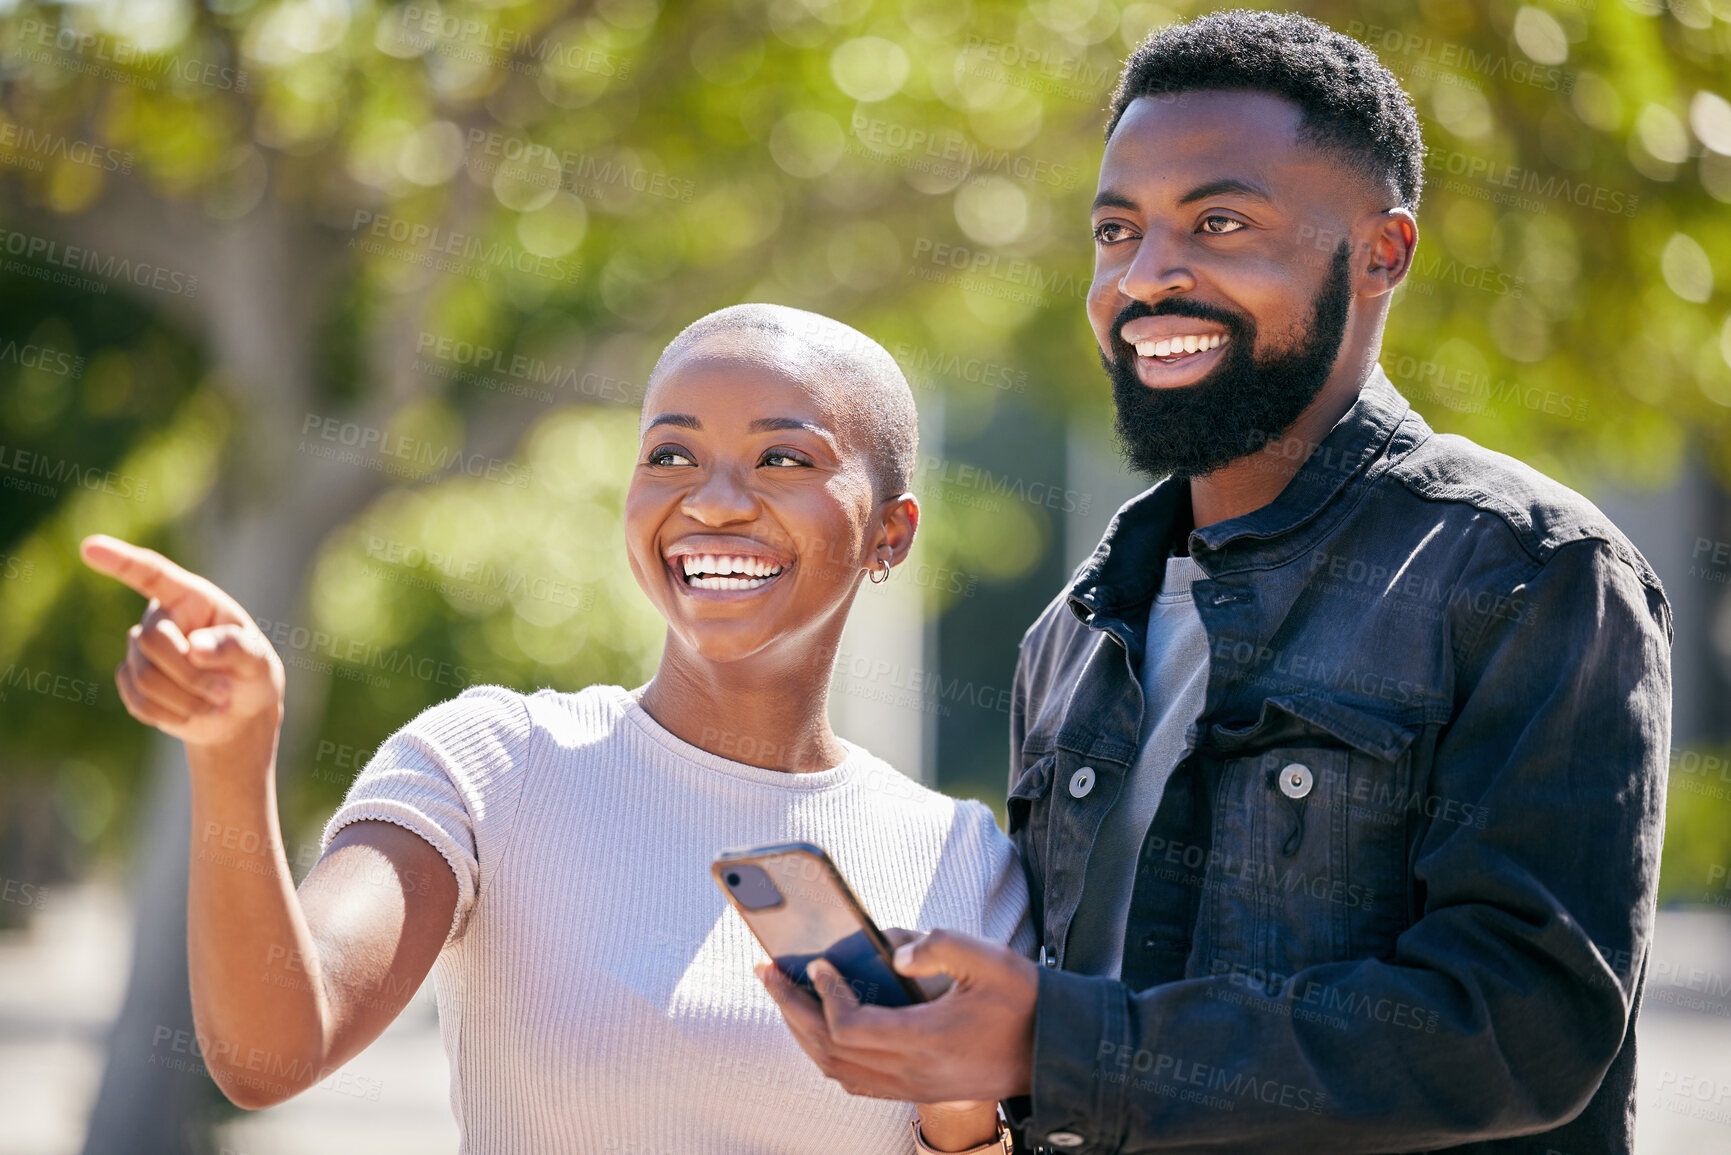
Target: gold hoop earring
875, 579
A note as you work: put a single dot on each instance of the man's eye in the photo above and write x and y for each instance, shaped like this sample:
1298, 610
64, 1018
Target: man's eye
778, 460
1109, 232
669, 457
1219, 226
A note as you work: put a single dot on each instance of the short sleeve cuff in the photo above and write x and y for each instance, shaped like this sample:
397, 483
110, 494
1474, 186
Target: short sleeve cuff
413, 820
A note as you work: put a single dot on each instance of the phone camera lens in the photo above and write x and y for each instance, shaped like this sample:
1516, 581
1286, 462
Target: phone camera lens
751, 887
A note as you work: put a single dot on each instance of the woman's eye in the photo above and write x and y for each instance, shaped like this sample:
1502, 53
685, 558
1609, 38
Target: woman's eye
779, 460
668, 457
1219, 226
1109, 232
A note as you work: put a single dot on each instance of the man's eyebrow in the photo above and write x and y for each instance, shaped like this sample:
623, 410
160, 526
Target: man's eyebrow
1109, 199
1225, 185
682, 420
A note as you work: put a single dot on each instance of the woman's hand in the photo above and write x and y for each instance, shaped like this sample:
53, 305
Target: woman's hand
349, 952
197, 667
959, 1126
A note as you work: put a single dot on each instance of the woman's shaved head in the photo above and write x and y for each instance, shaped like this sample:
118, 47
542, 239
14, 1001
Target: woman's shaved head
850, 373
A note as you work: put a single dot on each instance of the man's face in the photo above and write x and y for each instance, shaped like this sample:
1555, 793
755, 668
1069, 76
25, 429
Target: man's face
1222, 277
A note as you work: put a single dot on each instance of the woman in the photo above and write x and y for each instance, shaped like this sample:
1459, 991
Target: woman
549, 853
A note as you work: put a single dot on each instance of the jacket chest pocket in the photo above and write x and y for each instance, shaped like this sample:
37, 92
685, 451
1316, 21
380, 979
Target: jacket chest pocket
1308, 862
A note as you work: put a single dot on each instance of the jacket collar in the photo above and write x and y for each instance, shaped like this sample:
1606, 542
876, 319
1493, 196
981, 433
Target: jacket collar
1128, 566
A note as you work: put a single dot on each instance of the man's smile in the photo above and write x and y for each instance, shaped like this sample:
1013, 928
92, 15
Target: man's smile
1173, 351
1173, 348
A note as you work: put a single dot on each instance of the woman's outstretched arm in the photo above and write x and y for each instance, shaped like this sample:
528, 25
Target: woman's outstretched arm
286, 986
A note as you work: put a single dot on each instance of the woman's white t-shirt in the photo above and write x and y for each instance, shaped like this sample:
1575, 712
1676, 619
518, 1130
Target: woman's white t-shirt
596, 992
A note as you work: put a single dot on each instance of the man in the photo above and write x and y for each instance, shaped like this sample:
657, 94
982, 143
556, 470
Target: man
1338, 769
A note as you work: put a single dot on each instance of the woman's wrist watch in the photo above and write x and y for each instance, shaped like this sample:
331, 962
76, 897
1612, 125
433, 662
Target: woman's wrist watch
1001, 1144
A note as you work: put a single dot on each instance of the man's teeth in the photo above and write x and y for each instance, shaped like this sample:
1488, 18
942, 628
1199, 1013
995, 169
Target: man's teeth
719, 572
1172, 346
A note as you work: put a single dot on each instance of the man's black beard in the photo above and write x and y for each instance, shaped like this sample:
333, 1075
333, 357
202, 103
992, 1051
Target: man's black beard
1190, 430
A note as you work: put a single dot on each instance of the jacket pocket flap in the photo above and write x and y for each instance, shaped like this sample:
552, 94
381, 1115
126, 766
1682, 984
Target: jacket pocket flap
1285, 718
1037, 745
1035, 781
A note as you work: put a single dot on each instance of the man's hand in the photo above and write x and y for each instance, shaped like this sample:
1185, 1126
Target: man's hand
975, 1042
197, 668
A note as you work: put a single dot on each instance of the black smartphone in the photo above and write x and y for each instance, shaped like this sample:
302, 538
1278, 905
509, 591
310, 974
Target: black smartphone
801, 909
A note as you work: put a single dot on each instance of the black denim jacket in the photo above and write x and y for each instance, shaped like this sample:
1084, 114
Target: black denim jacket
1399, 892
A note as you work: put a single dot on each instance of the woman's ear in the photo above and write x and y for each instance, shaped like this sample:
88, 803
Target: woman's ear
899, 518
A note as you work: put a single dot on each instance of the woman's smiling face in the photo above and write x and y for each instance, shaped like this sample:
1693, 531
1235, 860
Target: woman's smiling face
752, 511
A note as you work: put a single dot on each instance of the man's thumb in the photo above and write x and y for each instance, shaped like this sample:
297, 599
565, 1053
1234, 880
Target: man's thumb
938, 953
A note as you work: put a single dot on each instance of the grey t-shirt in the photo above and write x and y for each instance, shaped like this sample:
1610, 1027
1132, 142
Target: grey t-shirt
1174, 684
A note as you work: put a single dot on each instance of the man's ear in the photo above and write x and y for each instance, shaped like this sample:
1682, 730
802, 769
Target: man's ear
900, 518
1388, 240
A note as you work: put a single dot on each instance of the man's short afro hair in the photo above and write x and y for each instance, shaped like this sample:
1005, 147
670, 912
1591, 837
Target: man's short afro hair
1350, 101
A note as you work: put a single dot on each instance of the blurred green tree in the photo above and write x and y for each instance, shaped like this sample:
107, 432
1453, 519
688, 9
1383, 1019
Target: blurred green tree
349, 303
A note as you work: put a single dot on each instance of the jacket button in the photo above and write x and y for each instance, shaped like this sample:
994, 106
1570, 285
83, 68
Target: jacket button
1065, 1139
1295, 780
1081, 782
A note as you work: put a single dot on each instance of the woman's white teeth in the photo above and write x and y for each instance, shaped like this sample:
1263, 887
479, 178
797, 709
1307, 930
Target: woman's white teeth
724, 583
1173, 346
720, 572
